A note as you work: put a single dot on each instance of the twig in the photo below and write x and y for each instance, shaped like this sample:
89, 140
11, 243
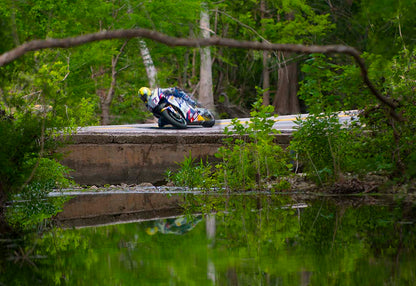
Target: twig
67, 74
314, 167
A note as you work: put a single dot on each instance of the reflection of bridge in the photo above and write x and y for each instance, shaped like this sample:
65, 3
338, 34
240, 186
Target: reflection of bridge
139, 153
100, 208
126, 205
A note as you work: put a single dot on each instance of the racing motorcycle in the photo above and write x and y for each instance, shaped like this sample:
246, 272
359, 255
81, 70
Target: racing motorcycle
179, 112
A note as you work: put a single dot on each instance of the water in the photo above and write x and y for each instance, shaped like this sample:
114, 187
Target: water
233, 240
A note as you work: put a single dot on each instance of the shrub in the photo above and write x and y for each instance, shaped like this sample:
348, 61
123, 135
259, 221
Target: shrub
379, 142
191, 175
249, 158
322, 145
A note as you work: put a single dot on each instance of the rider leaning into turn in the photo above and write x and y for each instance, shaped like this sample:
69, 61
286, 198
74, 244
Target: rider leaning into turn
146, 94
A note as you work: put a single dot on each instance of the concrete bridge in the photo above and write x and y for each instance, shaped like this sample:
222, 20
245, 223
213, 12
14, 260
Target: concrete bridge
138, 153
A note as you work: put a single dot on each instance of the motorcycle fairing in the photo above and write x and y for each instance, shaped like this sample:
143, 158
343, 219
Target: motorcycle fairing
190, 114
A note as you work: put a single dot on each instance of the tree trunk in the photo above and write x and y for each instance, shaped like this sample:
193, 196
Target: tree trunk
205, 88
148, 64
105, 107
266, 79
107, 97
266, 72
105, 114
286, 100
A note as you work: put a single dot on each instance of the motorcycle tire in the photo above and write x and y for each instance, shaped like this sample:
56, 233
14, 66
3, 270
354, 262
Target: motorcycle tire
174, 118
208, 123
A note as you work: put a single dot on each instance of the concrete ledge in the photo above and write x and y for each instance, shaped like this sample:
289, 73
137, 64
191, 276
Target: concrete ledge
99, 159
283, 138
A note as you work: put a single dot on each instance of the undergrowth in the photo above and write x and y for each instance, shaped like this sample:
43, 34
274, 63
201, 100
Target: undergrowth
249, 158
377, 142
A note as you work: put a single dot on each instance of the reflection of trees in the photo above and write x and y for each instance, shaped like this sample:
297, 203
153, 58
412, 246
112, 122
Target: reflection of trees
257, 230
330, 244
245, 240
41, 260
366, 241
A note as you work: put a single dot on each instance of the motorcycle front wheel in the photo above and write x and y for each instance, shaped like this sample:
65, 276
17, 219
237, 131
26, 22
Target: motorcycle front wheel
174, 118
208, 123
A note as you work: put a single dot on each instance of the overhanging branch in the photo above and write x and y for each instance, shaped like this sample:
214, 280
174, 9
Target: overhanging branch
184, 42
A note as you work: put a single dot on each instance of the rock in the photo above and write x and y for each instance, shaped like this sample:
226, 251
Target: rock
170, 184
145, 185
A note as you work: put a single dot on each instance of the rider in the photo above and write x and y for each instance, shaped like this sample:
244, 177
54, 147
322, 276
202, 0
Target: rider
147, 95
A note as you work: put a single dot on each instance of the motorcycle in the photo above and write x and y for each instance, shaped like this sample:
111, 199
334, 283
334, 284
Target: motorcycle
179, 112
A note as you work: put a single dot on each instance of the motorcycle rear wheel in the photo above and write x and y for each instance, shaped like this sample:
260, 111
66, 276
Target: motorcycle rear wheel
174, 118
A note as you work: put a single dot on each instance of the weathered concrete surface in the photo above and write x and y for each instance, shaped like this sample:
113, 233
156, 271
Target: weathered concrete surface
132, 159
99, 159
107, 208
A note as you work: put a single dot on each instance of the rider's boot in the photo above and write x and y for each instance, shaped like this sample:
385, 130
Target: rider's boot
161, 122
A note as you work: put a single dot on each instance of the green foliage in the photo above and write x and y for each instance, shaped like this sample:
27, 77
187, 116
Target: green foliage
378, 142
129, 108
322, 145
305, 27
330, 87
45, 92
255, 239
400, 79
49, 173
36, 113
391, 25
388, 25
249, 158
389, 144
191, 175
281, 22
58, 89
31, 204
33, 208
20, 142
325, 147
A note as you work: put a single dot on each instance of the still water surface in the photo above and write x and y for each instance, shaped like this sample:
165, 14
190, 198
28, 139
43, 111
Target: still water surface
234, 240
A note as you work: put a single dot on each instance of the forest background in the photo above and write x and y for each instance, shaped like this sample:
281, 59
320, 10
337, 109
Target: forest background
97, 83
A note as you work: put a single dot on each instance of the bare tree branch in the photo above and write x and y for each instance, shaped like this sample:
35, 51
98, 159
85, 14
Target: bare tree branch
114, 72
212, 41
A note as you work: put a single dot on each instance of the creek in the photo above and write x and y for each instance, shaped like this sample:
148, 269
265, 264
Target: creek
242, 239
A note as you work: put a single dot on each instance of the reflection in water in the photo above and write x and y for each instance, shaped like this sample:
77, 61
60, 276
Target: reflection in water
238, 240
178, 225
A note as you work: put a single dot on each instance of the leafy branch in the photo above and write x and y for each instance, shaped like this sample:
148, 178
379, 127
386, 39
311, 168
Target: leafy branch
35, 45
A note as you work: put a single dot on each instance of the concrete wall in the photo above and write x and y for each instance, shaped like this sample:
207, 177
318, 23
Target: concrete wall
99, 159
